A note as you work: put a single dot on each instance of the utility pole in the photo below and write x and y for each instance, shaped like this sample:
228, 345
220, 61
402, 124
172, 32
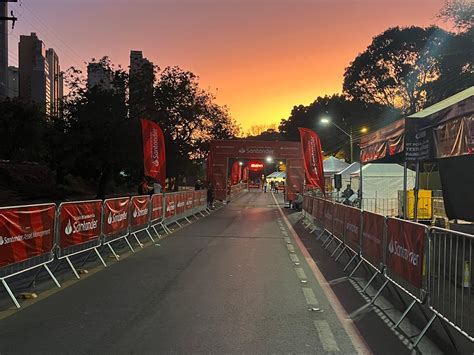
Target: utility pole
4, 18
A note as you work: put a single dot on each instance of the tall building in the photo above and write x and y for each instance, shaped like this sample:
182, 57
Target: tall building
98, 76
55, 79
3, 50
34, 71
141, 81
13, 81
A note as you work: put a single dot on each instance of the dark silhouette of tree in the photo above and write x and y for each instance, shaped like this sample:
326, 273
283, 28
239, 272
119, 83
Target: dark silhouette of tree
460, 12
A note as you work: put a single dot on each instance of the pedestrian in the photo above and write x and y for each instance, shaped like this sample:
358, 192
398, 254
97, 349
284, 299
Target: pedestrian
276, 187
157, 187
210, 196
265, 184
143, 188
198, 185
272, 185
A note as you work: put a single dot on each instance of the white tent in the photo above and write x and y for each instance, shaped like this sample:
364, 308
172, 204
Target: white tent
346, 176
380, 186
333, 165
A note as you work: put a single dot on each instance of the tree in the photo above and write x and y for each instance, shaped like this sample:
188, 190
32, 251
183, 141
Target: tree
348, 114
460, 12
397, 67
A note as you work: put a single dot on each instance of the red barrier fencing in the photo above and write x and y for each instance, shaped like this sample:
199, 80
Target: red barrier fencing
373, 227
170, 205
203, 198
156, 208
116, 218
26, 232
339, 213
352, 227
189, 201
139, 211
79, 223
328, 214
405, 252
180, 204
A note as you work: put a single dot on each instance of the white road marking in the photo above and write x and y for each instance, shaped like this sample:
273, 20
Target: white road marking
291, 248
311, 299
285, 233
294, 258
326, 336
288, 240
300, 273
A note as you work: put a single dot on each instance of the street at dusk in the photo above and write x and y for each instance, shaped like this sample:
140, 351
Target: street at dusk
236, 176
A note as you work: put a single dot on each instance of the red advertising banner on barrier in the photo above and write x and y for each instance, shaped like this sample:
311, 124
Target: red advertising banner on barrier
373, 226
116, 218
170, 206
196, 198
139, 211
156, 207
318, 209
352, 228
328, 214
26, 232
180, 203
189, 200
203, 198
405, 252
79, 222
338, 220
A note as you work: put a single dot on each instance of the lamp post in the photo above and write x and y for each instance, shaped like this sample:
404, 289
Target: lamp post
326, 120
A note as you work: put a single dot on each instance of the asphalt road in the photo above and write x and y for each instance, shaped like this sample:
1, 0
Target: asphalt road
228, 283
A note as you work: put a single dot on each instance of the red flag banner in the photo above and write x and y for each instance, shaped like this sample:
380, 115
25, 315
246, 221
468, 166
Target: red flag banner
156, 207
154, 155
406, 243
352, 227
245, 173
26, 232
79, 222
170, 206
235, 173
313, 158
116, 216
372, 237
139, 211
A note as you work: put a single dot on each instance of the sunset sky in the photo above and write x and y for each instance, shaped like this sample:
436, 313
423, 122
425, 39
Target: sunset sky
261, 57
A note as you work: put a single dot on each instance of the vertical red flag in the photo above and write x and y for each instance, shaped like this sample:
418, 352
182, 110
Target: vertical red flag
154, 155
235, 174
313, 157
245, 173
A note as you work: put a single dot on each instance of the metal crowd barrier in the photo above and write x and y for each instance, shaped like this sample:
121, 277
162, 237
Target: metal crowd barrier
398, 250
33, 236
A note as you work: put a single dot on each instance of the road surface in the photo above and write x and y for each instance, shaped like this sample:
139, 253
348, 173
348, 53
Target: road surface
233, 282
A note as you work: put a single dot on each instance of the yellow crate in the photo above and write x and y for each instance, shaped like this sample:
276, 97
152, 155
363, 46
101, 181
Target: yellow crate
425, 208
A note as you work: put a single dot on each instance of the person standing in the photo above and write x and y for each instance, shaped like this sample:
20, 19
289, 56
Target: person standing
210, 196
157, 187
198, 185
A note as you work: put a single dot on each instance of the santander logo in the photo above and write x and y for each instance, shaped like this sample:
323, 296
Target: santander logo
78, 227
401, 251
116, 217
140, 212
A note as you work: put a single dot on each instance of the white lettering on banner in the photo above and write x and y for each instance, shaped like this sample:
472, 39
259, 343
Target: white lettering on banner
180, 204
189, 202
78, 227
352, 228
155, 147
157, 208
402, 252
116, 217
26, 236
170, 207
140, 212
371, 237
338, 220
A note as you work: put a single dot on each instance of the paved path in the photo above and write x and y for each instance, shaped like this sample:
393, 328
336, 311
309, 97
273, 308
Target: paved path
224, 284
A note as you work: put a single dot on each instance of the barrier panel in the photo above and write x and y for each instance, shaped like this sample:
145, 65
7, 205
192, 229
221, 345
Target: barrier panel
157, 216
79, 229
372, 241
115, 223
26, 241
338, 221
203, 199
328, 215
140, 216
180, 205
450, 278
352, 227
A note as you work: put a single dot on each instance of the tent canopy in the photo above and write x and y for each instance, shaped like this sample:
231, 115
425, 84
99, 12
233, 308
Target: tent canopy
277, 175
382, 170
350, 169
333, 165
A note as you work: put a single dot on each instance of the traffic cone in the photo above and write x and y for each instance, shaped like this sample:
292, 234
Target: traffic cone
467, 275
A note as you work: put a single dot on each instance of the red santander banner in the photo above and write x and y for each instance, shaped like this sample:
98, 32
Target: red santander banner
139, 211
116, 216
26, 232
373, 226
235, 173
338, 220
352, 227
180, 203
406, 243
79, 222
170, 206
156, 207
328, 214
203, 198
189, 200
154, 155
313, 158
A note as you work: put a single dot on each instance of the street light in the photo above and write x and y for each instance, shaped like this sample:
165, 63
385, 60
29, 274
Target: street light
326, 120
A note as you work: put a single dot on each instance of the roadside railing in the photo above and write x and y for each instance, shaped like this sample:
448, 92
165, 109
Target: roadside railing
33, 236
400, 251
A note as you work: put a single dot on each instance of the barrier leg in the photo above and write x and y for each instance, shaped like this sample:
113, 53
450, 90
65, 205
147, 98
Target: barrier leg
326, 245
187, 220
379, 292
321, 234
156, 232
10, 293
149, 234
355, 269
113, 252
350, 261
51, 274
72, 267
425, 329
342, 251
100, 257
395, 326
313, 230
136, 238
130, 245
87, 257
177, 223
370, 281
